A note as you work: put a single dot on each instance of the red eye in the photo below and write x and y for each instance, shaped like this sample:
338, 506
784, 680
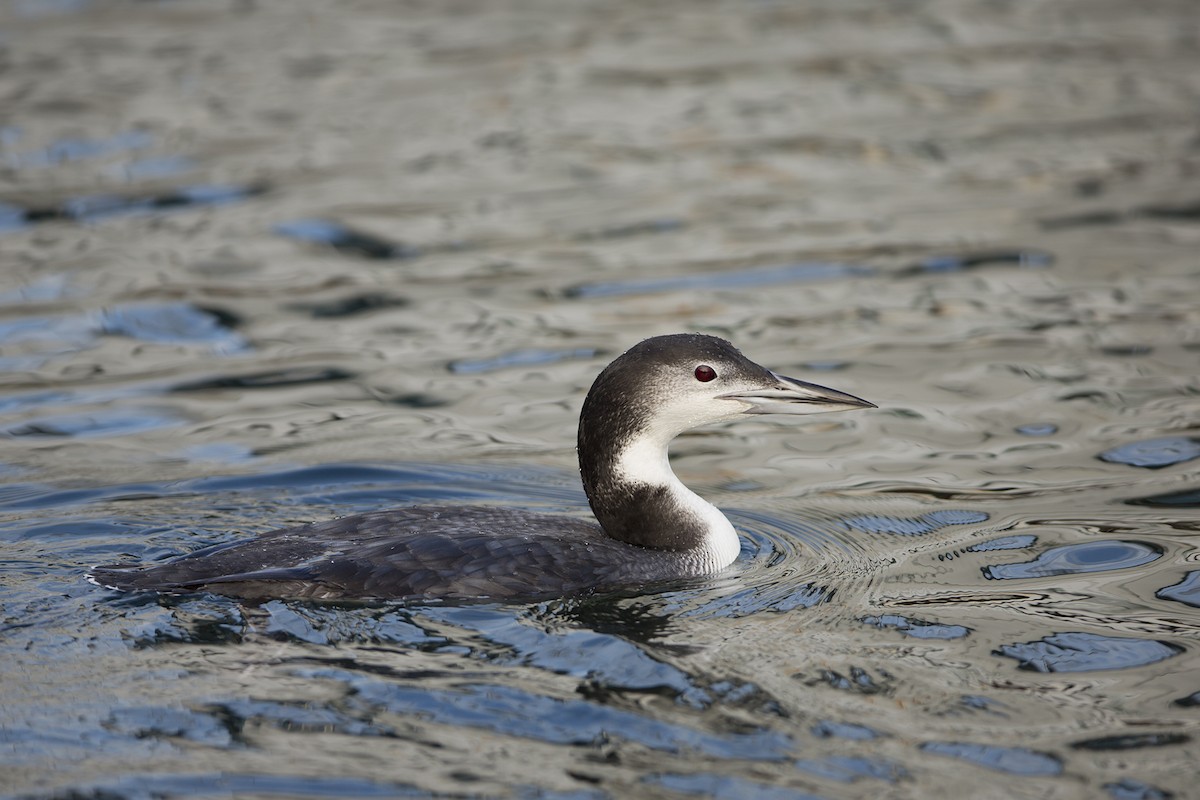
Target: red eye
705, 373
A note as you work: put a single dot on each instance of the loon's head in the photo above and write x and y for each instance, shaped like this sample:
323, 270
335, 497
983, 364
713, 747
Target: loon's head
645, 398
666, 385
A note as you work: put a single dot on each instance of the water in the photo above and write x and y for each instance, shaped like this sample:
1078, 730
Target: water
264, 265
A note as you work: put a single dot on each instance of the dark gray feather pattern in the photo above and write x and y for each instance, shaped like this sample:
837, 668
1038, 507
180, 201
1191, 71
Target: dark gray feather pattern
421, 552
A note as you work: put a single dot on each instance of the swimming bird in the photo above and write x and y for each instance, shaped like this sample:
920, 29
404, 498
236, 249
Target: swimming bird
651, 528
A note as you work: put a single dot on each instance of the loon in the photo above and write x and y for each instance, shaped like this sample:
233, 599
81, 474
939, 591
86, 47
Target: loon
651, 527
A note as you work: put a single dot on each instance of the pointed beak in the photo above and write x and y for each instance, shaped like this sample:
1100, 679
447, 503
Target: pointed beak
790, 396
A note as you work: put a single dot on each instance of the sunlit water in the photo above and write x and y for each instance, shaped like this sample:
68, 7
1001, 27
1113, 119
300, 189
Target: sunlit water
263, 266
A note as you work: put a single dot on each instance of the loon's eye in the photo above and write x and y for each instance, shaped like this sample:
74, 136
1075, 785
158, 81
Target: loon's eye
705, 373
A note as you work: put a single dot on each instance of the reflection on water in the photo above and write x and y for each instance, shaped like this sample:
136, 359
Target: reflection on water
97, 207
800, 272
738, 279
343, 239
1186, 591
520, 358
1155, 453
1074, 558
247, 285
919, 629
1077, 652
1014, 760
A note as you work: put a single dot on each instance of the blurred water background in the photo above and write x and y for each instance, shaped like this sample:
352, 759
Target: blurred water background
265, 263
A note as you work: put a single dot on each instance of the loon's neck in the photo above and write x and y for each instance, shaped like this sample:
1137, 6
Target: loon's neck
638, 499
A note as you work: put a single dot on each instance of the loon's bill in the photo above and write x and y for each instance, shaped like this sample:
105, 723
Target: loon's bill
792, 396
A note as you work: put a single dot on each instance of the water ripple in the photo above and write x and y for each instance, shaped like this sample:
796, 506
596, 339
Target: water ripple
1081, 652
1130, 789
1187, 591
1188, 498
910, 526
723, 787
1132, 741
160, 323
774, 575
1013, 760
241, 784
145, 722
1155, 453
1015, 542
1072, 559
65, 150
826, 729
94, 424
738, 279
847, 769
94, 208
916, 628
344, 239
171, 323
519, 358
517, 712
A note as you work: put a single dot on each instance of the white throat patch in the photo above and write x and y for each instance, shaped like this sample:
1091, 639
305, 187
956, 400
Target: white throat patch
645, 461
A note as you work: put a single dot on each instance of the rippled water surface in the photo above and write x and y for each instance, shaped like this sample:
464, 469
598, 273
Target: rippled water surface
267, 263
